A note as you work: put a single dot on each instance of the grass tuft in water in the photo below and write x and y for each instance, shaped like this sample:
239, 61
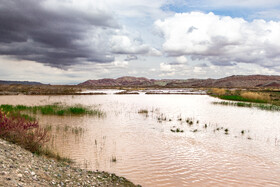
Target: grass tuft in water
178, 130
114, 159
195, 130
143, 111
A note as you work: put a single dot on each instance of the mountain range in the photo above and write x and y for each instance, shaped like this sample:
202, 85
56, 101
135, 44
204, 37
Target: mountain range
235, 81
20, 82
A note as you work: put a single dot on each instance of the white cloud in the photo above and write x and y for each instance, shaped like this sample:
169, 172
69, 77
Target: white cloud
166, 67
221, 40
182, 59
121, 64
122, 44
154, 52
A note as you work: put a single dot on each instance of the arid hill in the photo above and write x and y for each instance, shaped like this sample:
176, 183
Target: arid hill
20, 82
235, 81
122, 81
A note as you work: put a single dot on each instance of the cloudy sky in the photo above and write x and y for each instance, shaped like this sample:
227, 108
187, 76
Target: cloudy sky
70, 41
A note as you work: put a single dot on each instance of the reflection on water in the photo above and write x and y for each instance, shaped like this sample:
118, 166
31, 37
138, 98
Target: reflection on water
142, 147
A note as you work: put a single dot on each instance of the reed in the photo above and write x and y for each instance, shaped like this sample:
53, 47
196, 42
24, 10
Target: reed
218, 91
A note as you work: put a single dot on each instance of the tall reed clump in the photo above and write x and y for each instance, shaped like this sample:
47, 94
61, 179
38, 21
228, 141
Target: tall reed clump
218, 91
261, 97
23, 132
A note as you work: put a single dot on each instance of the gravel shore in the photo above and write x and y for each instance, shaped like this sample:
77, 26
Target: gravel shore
19, 167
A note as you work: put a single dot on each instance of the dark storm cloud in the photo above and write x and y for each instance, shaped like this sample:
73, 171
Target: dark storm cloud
60, 36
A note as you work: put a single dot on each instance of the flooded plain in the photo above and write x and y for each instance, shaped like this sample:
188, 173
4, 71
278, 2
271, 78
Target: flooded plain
167, 140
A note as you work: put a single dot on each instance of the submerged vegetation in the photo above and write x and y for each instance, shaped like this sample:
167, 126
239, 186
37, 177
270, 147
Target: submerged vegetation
114, 159
143, 111
177, 130
250, 105
181, 125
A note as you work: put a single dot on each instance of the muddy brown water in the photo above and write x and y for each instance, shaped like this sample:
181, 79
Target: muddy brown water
142, 148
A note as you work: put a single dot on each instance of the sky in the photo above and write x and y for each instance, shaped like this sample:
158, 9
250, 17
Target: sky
71, 41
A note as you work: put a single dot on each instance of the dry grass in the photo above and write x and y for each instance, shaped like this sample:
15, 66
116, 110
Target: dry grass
255, 96
218, 91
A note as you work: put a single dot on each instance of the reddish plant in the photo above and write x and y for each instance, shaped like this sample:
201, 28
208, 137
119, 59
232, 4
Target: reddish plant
25, 133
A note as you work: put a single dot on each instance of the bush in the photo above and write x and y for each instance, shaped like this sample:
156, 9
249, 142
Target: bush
23, 132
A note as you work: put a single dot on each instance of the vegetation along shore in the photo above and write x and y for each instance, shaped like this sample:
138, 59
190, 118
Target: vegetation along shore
26, 161
261, 99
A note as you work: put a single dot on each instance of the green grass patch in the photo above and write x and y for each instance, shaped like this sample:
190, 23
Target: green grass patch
14, 111
240, 98
54, 109
78, 110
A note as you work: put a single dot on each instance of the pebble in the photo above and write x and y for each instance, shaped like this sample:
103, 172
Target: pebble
19, 175
18, 171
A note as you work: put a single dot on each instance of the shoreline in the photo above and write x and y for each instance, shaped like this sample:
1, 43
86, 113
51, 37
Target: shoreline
19, 167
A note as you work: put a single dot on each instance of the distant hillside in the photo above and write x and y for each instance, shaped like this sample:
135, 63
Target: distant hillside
235, 81
122, 81
20, 82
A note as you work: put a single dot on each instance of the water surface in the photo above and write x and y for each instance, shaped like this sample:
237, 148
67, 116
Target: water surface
148, 153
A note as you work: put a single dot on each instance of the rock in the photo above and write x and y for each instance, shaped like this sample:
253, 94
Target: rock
19, 175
